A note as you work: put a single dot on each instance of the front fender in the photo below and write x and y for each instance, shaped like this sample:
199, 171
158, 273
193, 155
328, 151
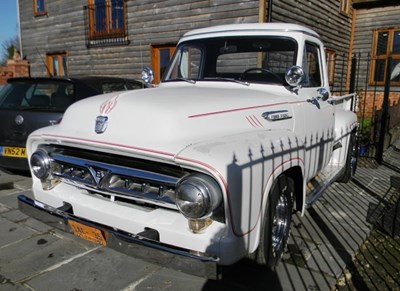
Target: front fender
245, 165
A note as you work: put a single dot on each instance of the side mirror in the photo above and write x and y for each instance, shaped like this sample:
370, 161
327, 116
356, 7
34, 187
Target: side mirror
323, 94
147, 75
294, 77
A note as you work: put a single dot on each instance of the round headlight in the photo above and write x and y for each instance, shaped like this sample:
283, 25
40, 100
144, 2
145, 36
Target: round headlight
197, 196
40, 164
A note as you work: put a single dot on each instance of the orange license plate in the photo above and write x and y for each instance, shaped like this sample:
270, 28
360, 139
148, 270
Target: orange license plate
14, 152
88, 233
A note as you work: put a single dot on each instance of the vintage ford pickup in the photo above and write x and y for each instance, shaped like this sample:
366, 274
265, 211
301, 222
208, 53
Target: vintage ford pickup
207, 167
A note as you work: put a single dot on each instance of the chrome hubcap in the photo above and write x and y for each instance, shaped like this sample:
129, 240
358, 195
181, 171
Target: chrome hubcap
280, 222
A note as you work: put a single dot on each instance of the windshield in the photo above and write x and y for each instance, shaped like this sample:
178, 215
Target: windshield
248, 59
25, 95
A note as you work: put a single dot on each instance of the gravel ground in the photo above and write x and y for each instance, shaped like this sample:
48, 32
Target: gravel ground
376, 265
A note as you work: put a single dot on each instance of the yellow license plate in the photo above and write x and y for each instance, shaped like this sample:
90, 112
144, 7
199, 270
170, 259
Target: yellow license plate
88, 233
14, 152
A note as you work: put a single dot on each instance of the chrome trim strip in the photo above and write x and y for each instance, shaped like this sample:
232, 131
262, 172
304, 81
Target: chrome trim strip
127, 243
148, 198
141, 174
276, 115
111, 180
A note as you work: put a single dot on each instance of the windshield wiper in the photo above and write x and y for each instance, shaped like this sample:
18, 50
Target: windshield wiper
228, 80
186, 80
34, 108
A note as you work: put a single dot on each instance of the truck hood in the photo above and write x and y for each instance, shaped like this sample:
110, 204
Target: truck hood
170, 118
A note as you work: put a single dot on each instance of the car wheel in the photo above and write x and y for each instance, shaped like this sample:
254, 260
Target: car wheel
276, 223
351, 160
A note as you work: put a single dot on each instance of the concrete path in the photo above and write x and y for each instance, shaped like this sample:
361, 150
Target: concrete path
36, 257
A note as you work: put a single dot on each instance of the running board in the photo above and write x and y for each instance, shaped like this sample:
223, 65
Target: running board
317, 185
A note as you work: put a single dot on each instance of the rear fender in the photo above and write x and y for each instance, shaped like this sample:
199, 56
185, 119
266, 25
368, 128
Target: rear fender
345, 124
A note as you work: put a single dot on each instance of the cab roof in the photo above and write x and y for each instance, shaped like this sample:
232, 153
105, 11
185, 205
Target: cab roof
252, 27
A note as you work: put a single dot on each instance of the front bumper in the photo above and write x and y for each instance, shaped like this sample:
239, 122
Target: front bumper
130, 244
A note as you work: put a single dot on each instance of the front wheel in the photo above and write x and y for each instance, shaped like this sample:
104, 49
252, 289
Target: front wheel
276, 223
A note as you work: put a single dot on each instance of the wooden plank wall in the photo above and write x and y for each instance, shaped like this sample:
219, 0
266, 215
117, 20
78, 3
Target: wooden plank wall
368, 20
333, 27
149, 23
322, 16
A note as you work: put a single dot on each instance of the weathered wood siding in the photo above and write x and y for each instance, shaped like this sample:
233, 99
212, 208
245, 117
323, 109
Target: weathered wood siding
325, 18
322, 16
368, 20
155, 22
148, 22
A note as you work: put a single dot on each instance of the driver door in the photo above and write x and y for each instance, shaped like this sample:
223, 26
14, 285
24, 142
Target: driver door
317, 128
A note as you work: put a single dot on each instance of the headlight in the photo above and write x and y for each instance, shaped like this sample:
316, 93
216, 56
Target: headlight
40, 164
197, 196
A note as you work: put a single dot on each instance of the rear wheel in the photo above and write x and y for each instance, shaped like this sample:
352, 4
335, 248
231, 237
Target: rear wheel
351, 160
276, 223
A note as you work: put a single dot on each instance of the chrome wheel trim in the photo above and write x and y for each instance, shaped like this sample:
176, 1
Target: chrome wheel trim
280, 222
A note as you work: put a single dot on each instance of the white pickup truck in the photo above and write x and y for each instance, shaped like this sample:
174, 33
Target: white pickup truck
207, 167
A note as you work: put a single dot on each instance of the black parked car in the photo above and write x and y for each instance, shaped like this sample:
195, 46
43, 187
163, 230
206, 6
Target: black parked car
27, 104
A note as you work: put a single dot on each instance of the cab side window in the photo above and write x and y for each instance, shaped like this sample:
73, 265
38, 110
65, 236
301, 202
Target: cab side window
312, 65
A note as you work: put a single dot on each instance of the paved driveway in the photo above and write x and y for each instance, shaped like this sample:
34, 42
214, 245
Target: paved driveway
35, 257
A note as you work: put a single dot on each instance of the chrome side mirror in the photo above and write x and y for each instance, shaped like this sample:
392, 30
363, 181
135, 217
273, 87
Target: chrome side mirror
294, 76
147, 75
323, 94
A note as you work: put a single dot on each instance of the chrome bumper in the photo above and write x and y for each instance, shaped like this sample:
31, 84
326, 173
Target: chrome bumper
132, 245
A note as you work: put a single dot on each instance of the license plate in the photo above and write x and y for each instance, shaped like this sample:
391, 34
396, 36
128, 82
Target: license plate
88, 233
14, 152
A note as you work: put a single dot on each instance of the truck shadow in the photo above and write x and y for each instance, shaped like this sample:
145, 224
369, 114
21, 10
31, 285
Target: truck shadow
324, 242
245, 275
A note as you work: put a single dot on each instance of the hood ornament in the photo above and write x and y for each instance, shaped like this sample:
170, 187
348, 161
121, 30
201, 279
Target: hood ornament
101, 124
102, 119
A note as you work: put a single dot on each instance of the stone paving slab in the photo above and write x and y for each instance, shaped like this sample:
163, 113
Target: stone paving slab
11, 232
23, 184
13, 287
30, 257
15, 215
9, 180
99, 269
4, 208
165, 279
9, 199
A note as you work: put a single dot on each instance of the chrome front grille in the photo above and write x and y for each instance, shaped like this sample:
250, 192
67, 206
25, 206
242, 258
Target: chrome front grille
129, 183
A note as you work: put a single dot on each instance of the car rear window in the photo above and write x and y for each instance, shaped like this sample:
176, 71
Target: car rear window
25, 95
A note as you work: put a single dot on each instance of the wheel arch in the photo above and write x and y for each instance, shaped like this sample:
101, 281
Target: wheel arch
294, 172
293, 176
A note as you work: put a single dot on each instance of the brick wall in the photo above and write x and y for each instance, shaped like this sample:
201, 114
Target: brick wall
370, 102
14, 68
